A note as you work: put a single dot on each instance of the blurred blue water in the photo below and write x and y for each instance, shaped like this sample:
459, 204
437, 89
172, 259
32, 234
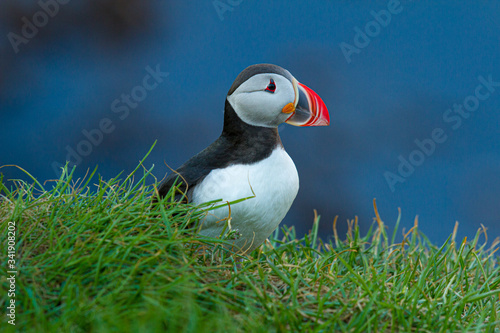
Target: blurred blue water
394, 91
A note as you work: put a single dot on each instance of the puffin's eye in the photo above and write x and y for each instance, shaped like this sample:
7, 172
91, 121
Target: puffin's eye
271, 87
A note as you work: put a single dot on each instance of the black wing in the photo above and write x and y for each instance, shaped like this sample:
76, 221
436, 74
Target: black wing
196, 169
239, 143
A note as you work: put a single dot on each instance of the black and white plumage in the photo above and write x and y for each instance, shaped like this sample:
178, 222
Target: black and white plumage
248, 158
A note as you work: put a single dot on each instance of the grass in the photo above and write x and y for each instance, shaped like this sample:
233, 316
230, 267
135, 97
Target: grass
94, 256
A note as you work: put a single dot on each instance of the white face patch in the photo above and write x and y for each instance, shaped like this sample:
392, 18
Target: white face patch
258, 107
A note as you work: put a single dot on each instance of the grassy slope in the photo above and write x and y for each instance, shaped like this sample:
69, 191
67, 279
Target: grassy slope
100, 259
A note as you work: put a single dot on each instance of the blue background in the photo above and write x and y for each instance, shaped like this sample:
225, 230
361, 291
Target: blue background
394, 91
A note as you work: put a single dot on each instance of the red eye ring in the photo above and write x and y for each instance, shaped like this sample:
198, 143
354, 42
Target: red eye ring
271, 87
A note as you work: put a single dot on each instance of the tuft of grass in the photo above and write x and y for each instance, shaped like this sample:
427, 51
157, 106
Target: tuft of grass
94, 255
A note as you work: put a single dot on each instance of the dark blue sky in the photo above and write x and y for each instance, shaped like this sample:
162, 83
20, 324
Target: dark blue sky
397, 89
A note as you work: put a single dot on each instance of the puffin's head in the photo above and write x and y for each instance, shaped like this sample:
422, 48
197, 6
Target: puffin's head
267, 95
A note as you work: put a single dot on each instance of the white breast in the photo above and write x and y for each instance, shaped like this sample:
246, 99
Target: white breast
275, 183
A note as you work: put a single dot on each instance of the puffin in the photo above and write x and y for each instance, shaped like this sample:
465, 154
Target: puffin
248, 160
